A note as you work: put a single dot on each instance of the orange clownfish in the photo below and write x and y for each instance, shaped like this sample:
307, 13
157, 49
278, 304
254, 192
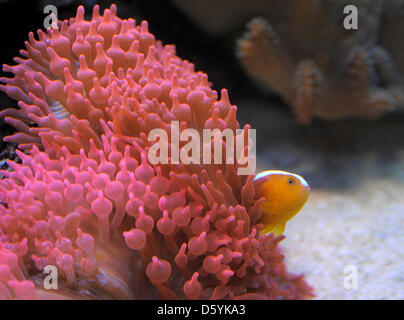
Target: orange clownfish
285, 194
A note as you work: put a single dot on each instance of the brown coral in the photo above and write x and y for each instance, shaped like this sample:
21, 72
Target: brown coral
301, 50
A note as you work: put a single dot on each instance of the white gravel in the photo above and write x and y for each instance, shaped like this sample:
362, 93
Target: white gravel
363, 229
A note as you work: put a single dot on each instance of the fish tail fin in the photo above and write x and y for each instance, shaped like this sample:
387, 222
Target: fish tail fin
276, 229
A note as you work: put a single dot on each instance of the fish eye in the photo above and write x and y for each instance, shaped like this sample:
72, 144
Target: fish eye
291, 181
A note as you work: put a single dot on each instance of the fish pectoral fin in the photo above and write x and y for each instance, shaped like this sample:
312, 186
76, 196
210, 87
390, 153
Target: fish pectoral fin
276, 229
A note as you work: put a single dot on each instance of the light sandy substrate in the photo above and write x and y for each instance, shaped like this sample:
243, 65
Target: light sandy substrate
355, 215
363, 229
